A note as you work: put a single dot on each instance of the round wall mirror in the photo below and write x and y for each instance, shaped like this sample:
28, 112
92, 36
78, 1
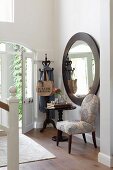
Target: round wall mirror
80, 67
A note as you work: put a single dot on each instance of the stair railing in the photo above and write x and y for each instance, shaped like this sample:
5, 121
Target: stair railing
11, 129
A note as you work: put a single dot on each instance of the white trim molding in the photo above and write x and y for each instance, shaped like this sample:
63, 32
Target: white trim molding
105, 159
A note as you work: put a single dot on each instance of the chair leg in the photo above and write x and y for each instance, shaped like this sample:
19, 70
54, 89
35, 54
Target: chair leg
58, 136
69, 143
84, 137
94, 139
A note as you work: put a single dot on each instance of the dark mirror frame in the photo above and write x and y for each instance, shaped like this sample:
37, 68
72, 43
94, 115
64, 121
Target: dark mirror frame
95, 50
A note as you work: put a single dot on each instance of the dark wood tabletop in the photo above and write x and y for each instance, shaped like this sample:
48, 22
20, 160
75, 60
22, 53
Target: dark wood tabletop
60, 106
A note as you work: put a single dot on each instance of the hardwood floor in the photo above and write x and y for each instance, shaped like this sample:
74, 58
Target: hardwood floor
82, 157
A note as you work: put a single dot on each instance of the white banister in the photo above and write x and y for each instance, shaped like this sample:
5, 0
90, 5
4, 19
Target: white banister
13, 132
4, 128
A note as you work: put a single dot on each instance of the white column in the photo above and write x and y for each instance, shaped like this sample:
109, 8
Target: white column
13, 133
106, 84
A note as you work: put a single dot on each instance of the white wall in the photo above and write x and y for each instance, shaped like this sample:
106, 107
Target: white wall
106, 88
74, 16
111, 76
33, 24
33, 27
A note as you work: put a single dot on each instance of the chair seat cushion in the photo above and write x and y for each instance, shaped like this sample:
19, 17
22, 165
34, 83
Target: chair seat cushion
74, 127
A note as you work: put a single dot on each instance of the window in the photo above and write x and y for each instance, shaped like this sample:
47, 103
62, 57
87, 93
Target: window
6, 10
0, 76
28, 78
2, 47
81, 75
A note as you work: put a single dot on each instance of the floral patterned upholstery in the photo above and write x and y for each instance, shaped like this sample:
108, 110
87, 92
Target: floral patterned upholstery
89, 109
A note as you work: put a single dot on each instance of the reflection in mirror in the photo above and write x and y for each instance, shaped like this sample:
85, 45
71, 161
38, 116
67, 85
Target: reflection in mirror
71, 80
83, 67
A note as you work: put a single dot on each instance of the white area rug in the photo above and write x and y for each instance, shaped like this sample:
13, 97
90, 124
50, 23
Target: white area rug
29, 150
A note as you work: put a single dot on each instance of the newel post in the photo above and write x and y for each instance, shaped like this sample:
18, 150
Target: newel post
13, 132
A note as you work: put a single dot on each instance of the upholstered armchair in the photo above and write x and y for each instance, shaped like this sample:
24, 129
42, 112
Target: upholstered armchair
89, 109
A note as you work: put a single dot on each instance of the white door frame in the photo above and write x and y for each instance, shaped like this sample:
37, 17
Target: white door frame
28, 103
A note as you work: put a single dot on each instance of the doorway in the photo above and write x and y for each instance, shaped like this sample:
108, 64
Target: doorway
16, 69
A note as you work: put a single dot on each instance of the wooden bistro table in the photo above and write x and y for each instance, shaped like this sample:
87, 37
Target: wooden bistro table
60, 108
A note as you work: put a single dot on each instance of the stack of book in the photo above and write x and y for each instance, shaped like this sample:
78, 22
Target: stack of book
50, 106
59, 105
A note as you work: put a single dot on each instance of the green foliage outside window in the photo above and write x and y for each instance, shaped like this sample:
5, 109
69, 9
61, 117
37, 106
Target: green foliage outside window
16, 68
17, 74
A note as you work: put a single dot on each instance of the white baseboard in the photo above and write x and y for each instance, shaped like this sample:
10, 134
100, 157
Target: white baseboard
89, 138
27, 128
105, 159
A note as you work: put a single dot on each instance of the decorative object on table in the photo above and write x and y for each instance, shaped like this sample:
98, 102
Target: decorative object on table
45, 87
59, 97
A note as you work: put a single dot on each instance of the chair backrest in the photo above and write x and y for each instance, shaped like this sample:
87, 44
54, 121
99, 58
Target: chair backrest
89, 108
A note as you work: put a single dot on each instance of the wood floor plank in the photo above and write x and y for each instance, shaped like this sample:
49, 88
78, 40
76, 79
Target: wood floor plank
83, 156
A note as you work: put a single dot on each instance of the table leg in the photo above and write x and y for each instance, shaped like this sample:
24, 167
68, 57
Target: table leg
60, 114
61, 137
47, 121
